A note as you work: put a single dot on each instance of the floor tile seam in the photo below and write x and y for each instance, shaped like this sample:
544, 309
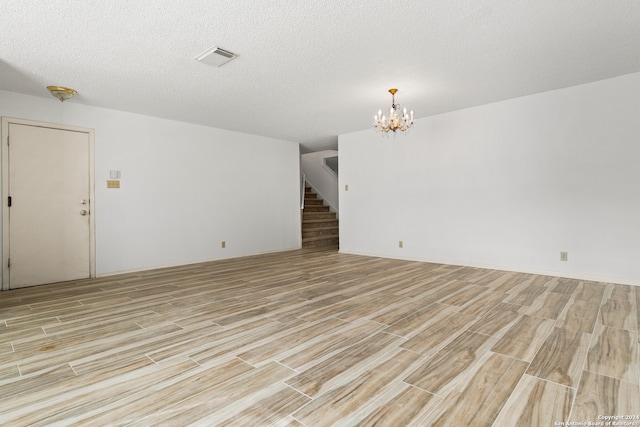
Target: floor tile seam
632, 331
311, 398
517, 360
168, 360
554, 329
113, 351
31, 317
599, 322
409, 315
296, 419
613, 378
80, 322
575, 389
82, 389
234, 351
362, 366
497, 338
127, 335
488, 354
515, 387
384, 395
319, 339
219, 386
452, 389
72, 369
577, 329
637, 381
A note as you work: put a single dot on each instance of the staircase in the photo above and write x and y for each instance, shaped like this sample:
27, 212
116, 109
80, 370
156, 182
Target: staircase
319, 224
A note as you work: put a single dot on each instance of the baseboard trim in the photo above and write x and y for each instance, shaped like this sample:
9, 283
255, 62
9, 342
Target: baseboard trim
181, 264
616, 280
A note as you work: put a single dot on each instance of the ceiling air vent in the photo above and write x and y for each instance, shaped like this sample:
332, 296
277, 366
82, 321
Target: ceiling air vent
215, 56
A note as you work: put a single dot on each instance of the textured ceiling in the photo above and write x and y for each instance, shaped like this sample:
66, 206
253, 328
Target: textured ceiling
308, 71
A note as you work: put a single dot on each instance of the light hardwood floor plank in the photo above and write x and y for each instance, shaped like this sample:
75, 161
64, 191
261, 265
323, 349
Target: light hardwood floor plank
536, 402
614, 353
343, 403
599, 395
619, 314
524, 338
579, 315
443, 371
561, 357
478, 400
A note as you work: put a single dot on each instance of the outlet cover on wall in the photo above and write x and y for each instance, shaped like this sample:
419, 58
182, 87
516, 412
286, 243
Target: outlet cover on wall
564, 256
223, 244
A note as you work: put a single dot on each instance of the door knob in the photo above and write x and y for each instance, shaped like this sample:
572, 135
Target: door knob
83, 202
83, 212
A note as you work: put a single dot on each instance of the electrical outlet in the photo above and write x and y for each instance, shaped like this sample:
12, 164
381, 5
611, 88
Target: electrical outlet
346, 187
400, 244
113, 183
564, 256
223, 244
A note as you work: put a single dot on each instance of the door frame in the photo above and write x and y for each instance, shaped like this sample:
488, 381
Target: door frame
6, 121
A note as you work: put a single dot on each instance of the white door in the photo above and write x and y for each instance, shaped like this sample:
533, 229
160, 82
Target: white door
49, 206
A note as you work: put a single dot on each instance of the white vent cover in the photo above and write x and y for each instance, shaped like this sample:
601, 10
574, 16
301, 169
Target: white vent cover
215, 56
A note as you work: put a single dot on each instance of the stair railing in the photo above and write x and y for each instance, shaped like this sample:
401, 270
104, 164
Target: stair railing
303, 182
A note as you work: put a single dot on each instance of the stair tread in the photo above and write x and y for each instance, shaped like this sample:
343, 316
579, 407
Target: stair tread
313, 239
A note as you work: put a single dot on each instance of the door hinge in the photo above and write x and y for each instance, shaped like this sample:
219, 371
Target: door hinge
9, 263
9, 201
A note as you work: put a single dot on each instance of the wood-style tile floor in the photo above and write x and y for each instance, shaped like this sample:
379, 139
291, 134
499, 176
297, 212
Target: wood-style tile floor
317, 338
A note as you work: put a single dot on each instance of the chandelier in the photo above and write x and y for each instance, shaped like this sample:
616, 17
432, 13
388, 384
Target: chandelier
395, 121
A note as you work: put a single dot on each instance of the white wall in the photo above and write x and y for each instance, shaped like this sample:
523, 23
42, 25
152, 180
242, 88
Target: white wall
184, 188
323, 181
506, 185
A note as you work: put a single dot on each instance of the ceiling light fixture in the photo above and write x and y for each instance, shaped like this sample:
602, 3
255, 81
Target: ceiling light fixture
62, 93
395, 121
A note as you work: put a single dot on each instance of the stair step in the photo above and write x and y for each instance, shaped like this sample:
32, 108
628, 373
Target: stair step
320, 232
316, 238
316, 208
313, 201
318, 215
322, 226
321, 242
319, 223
